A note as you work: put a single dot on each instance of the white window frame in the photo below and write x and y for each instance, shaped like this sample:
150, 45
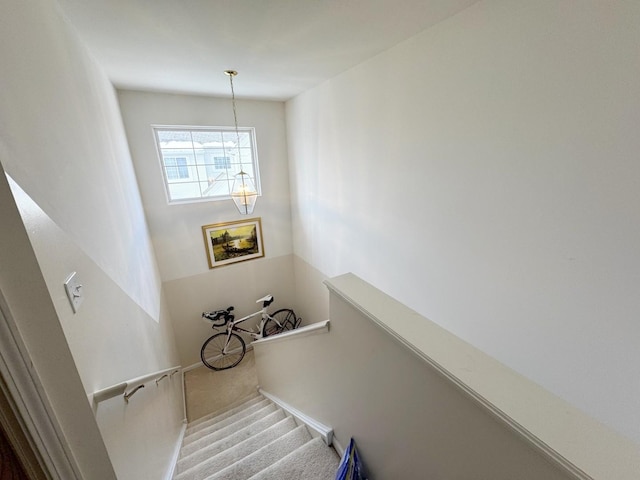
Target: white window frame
194, 167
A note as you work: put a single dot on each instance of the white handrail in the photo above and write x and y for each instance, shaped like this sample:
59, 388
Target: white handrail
314, 328
130, 386
569, 438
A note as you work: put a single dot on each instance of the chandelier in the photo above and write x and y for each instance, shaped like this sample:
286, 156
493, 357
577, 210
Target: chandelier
243, 192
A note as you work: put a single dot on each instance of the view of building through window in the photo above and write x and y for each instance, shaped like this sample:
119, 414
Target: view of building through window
200, 163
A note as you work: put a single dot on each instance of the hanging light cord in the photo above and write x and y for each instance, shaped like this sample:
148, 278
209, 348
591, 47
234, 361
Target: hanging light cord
231, 74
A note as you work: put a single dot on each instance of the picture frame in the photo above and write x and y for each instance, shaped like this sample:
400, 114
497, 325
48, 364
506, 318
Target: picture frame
232, 242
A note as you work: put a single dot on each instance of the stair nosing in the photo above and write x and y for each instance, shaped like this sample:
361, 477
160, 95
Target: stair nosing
213, 418
239, 445
258, 414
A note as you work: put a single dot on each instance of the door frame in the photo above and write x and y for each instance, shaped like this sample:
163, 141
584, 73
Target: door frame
43, 447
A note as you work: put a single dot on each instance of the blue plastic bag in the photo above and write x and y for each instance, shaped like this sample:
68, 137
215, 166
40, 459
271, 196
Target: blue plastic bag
350, 467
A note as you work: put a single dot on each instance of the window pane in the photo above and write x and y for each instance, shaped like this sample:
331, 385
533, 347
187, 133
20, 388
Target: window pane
222, 163
246, 155
207, 138
211, 153
172, 135
230, 139
202, 163
207, 173
219, 187
178, 165
245, 139
182, 191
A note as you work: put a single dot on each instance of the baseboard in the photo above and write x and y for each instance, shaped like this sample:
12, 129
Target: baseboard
325, 432
176, 453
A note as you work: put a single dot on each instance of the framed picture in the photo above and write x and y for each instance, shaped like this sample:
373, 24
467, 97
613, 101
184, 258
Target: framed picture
232, 242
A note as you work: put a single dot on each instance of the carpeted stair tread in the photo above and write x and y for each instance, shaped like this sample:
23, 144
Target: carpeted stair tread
227, 411
264, 457
205, 437
312, 461
238, 452
276, 423
219, 422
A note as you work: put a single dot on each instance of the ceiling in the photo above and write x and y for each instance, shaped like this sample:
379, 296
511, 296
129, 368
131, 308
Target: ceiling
279, 47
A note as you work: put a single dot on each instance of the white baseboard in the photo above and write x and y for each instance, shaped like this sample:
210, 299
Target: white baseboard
325, 432
338, 447
176, 453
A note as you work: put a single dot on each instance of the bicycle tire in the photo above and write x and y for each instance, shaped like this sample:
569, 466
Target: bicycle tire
212, 355
285, 319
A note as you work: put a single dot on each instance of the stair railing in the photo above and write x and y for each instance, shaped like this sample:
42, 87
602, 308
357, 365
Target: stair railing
128, 388
386, 368
313, 329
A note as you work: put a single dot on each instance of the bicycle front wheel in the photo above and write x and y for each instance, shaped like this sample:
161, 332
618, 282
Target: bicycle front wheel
280, 321
215, 356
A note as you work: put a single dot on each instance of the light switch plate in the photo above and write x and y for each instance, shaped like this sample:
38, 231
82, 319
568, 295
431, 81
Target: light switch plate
74, 291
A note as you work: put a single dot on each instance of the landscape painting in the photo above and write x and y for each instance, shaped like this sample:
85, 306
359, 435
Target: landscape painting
233, 242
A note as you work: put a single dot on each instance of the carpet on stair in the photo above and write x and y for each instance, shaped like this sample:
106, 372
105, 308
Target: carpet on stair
253, 439
267, 455
214, 424
207, 438
239, 445
221, 415
228, 410
312, 461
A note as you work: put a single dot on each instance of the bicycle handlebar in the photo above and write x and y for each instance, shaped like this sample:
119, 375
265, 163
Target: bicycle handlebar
222, 317
219, 317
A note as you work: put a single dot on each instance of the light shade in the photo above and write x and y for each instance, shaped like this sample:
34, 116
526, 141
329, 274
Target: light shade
244, 193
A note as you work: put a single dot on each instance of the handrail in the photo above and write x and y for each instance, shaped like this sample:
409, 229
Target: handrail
135, 383
569, 438
314, 328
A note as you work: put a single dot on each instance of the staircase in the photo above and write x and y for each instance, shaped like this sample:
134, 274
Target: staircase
253, 439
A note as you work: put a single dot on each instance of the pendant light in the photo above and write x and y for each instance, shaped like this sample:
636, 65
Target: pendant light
243, 192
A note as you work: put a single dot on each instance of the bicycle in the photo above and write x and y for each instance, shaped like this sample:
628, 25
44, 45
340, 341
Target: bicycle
226, 350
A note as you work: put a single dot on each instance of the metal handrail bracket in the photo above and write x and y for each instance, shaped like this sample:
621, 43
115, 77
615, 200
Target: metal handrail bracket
130, 394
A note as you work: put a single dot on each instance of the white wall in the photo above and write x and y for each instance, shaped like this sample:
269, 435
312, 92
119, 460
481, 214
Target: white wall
408, 420
23, 292
57, 104
62, 141
485, 173
111, 337
176, 230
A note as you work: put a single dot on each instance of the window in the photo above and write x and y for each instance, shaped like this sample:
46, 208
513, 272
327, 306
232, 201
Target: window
176, 168
222, 163
200, 163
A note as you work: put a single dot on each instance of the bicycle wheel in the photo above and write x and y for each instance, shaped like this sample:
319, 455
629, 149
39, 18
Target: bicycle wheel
212, 353
281, 321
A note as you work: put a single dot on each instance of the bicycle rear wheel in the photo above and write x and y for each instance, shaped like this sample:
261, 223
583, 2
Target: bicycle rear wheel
281, 321
213, 355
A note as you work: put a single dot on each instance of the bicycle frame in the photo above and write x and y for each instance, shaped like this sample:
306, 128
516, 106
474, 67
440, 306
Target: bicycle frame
233, 325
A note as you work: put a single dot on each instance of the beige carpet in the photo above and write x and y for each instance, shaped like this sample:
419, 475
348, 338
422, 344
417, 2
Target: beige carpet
253, 438
208, 390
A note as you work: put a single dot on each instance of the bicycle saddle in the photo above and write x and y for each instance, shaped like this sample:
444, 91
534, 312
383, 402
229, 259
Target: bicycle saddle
266, 300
